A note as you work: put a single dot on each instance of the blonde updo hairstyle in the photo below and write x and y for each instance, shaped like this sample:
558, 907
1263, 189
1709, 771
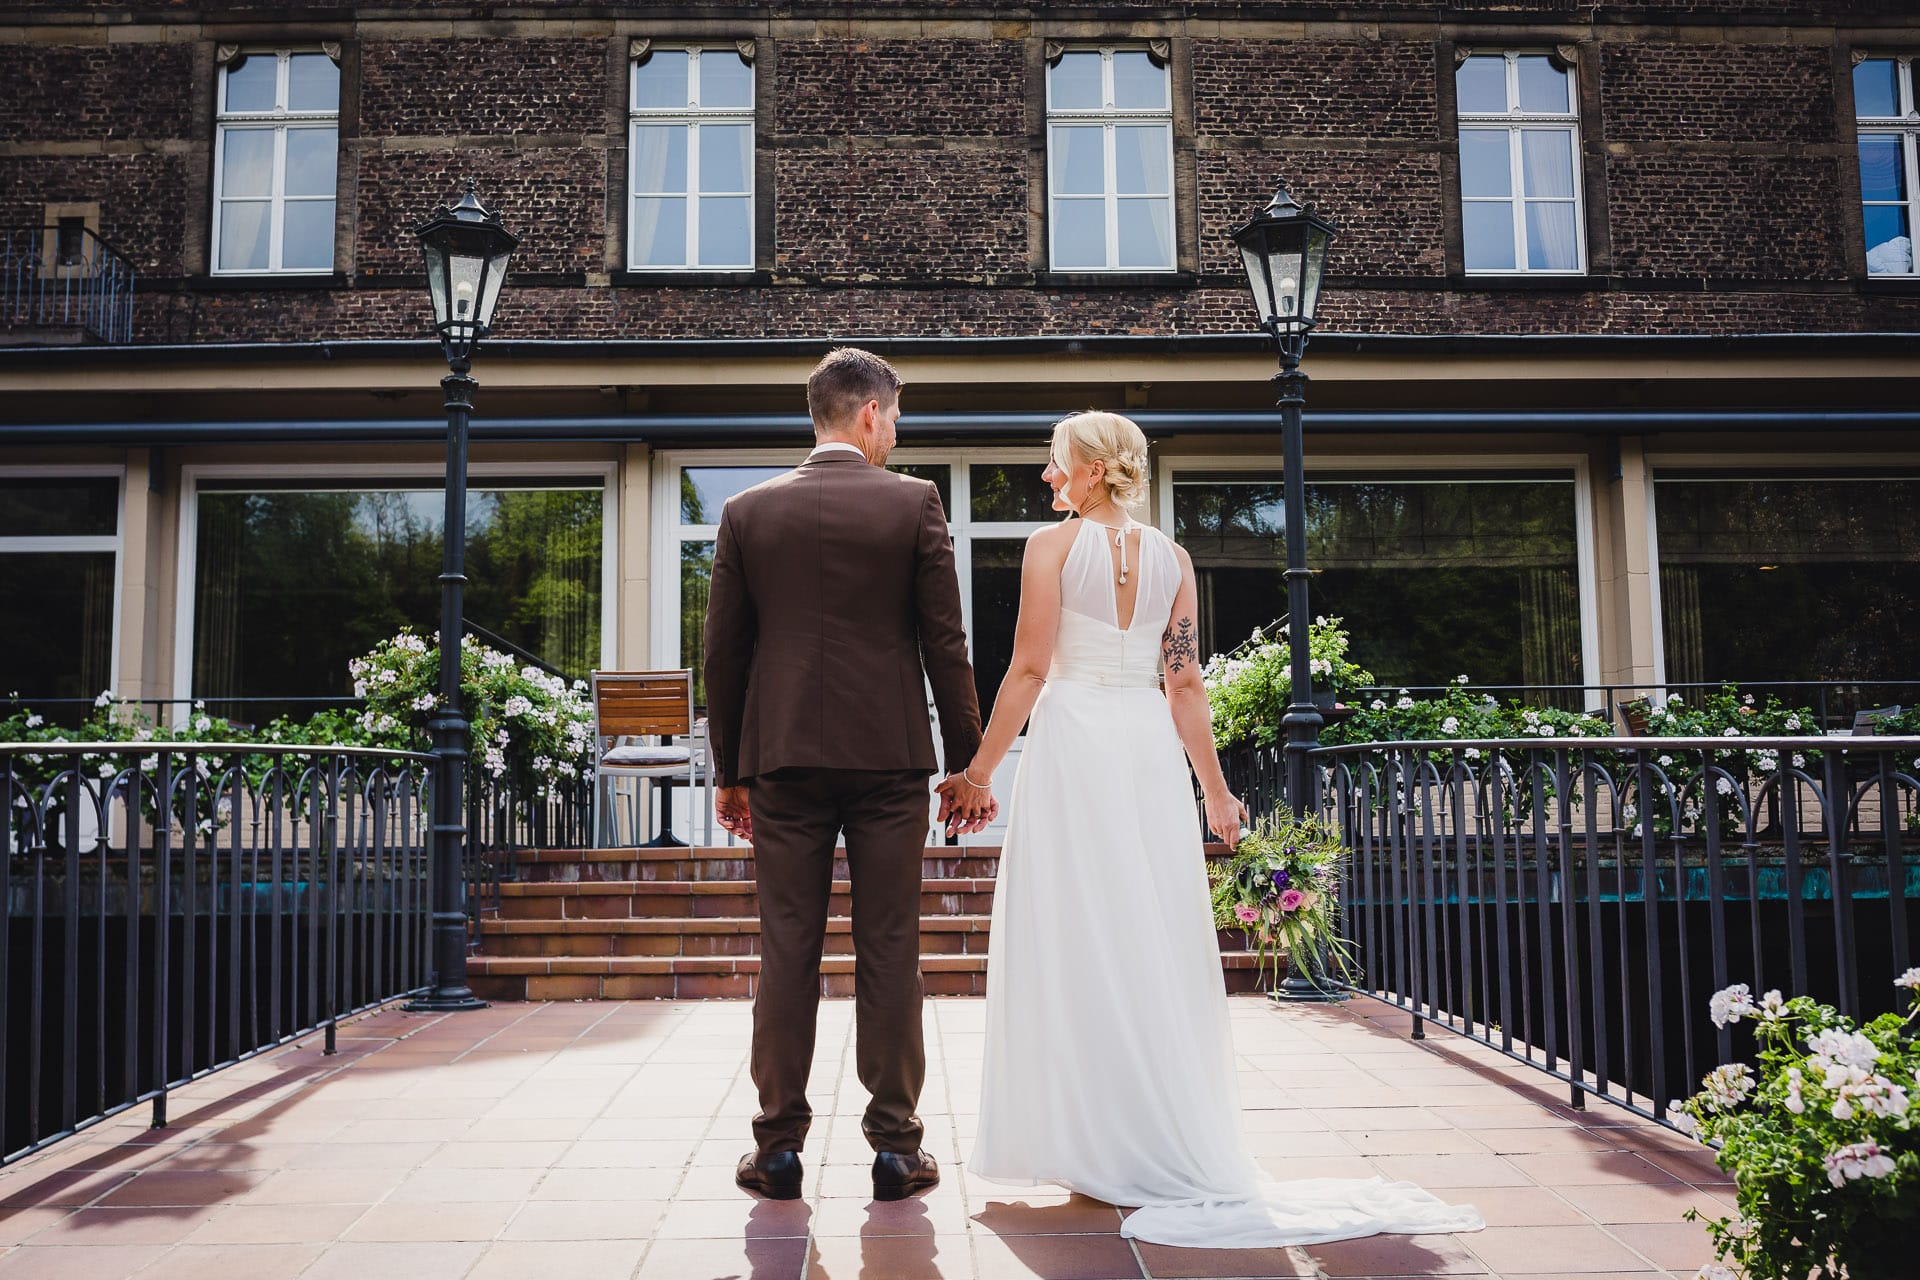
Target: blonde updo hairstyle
1097, 436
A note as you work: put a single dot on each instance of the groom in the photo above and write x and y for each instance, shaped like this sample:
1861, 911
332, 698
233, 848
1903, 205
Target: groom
833, 604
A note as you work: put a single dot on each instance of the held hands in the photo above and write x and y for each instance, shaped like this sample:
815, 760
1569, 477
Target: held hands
731, 806
964, 807
1226, 816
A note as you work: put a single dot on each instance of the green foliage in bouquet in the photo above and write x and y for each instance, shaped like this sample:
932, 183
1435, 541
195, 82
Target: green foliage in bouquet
1821, 1143
1249, 689
1282, 889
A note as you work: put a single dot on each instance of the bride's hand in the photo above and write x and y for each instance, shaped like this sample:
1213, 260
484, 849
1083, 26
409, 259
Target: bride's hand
1226, 816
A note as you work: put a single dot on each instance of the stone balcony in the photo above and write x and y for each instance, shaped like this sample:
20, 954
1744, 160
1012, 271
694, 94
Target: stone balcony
597, 1139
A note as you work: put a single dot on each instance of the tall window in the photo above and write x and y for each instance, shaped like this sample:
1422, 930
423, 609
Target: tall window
275, 155
1889, 123
690, 166
1789, 578
1519, 170
292, 583
59, 544
1110, 161
1433, 578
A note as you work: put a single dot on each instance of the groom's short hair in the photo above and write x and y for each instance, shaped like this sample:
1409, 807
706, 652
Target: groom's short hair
845, 379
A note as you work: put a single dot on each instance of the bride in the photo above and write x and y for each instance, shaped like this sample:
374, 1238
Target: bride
1109, 1068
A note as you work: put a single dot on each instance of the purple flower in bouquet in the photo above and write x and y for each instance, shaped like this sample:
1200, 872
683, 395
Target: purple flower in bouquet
1281, 879
1291, 900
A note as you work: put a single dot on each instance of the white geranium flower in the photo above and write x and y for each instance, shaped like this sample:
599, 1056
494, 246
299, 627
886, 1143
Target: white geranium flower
1729, 1006
1681, 1120
1799, 761
1796, 1082
1724, 786
423, 703
1460, 679
1473, 753
105, 697
1377, 705
517, 705
1910, 979
389, 676
1665, 762
1727, 1086
106, 771
1403, 703
1729, 732
1772, 1006
1793, 724
1747, 701
1847, 1048
1857, 1160
34, 721
1450, 725
201, 724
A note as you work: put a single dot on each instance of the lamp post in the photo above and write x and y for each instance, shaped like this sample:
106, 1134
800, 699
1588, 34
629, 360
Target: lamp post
466, 252
1284, 250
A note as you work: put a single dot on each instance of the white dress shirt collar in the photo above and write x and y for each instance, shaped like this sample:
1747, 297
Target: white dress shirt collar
832, 446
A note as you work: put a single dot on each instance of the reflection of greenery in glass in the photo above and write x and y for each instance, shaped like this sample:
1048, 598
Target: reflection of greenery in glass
59, 506
1791, 579
704, 490
291, 586
996, 607
1433, 579
939, 472
696, 577
60, 626
1011, 491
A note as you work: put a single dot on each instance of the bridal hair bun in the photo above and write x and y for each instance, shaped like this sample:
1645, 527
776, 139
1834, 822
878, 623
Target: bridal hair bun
1097, 436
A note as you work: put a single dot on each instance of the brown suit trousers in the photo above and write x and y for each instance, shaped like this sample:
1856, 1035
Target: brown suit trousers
833, 605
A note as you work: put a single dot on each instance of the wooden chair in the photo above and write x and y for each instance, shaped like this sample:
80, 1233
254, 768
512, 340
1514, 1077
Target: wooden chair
645, 704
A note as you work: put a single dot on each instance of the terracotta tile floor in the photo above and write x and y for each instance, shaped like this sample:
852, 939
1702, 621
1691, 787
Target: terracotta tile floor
598, 1139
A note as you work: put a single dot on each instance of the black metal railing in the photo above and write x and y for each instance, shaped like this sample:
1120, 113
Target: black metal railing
64, 278
1834, 703
173, 908
1574, 903
512, 813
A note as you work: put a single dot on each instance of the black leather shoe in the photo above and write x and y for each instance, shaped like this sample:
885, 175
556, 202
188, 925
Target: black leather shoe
897, 1175
774, 1174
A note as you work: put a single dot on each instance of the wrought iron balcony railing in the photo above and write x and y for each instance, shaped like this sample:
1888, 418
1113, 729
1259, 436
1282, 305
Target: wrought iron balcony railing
62, 284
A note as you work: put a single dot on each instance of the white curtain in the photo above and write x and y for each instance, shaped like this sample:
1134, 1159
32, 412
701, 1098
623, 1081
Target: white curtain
1546, 158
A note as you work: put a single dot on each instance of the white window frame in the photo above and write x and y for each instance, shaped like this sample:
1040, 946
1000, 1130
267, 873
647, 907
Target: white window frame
114, 542
279, 120
380, 477
1906, 127
1515, 121
1433, 468
691, 118
1108, 116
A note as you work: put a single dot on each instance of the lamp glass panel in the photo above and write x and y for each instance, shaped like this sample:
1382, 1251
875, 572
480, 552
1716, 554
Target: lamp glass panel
437, 286
1312, 271
661, 81
1256, 265
466, 273
1543, 86
313, 83
1876, 89
253, 85
1481, 84
725, 81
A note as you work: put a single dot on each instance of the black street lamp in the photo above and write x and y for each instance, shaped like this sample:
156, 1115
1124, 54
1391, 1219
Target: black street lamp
1284, 249
466, 251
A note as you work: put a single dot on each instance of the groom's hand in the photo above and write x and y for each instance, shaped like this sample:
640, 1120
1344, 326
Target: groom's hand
732, 807
964, 807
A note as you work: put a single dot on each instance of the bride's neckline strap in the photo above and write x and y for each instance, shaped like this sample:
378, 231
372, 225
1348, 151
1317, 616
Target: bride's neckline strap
1112, 528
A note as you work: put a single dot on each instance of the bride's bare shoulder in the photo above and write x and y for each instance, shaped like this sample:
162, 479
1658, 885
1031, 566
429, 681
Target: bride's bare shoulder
1054, 538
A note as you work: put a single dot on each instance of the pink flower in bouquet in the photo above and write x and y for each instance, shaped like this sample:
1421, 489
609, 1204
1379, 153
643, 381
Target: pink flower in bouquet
1247, 915
1291, 900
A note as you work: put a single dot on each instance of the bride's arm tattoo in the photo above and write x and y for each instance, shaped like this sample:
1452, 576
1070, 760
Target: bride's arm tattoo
1180, 644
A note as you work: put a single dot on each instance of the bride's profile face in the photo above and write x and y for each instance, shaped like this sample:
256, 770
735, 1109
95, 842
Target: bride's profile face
1070, 479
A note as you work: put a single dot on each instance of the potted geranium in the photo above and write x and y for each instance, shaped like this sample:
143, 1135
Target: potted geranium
1821, 1141
1282, 889
1250, 688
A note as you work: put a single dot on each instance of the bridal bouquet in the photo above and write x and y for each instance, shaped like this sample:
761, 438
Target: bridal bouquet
1281, 888
1822, 1141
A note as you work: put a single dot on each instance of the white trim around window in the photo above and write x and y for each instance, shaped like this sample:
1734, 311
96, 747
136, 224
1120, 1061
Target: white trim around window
374, 477
1575, 467
114, 542
690, 166
1110, 162
1890, 179
275, 166
1520, 167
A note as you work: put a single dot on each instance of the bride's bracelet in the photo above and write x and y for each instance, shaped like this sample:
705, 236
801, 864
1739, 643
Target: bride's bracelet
967, 773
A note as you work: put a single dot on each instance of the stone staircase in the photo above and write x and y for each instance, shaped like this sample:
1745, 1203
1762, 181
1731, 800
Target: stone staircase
626, 924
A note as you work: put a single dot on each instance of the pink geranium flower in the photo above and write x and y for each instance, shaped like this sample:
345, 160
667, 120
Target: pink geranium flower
1291, 900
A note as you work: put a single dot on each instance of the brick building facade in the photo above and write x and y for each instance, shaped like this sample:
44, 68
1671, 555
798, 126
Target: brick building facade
1707, 298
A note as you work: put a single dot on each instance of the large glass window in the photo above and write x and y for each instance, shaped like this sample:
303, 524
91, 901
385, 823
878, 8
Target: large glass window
1434, 578
1889, 127
59, 545
1789, 578
690, 161
1519, 164
290, 584
276, 149
1110, 161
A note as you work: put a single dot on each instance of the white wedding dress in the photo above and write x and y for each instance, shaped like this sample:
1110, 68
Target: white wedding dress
1109, 1065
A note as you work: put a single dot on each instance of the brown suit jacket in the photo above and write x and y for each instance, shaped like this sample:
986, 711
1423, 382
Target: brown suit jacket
833, 604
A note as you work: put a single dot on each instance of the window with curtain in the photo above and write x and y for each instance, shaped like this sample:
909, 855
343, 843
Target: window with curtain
690, 161
1789, 577
1889, 127
276, 154
1519, 164
292, 583
1432, 578
59, 546
1110, 161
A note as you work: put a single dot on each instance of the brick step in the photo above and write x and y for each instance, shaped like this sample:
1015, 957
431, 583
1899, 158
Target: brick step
716, 936
708, 977
541, 866
683, 899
